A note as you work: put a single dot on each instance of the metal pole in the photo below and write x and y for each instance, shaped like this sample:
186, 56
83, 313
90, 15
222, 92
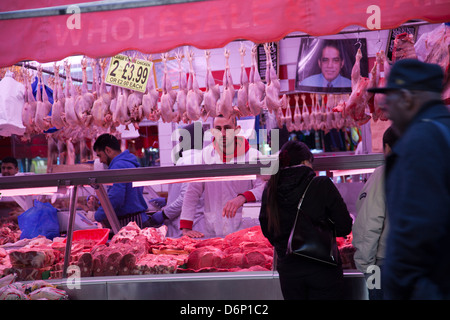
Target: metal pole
72, 208
107, 207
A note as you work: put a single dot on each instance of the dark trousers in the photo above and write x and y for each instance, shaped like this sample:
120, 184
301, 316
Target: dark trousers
310, 280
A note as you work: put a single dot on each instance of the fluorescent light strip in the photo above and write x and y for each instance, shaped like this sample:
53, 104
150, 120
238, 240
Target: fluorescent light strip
337, 173
205, 179
28, 191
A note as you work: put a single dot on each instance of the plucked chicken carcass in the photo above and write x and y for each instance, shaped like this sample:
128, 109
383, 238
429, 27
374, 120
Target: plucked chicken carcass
70, 116
120, 115
43, 106
102, 116
329, 116
280, 118
320, 113
134, 103
288, 117
403, 47
225, 103
297, 115
182, 91
256, 87
85, 101
150, 98
306, 122
273, 101
212, 92
242, 95
29, 109
168, 96
339, 118
58, 102
313, 116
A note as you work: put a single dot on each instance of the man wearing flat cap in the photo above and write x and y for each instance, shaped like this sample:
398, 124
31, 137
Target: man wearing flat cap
417, 264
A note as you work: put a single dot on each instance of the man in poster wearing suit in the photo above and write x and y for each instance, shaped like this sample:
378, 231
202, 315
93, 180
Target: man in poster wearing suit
330, 63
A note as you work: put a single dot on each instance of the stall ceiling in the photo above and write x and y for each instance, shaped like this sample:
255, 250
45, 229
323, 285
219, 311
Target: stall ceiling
36, 30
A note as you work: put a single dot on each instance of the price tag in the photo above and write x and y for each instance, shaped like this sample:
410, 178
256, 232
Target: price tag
127, 74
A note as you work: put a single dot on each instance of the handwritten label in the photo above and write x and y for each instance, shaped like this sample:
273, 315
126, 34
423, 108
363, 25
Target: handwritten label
128, 74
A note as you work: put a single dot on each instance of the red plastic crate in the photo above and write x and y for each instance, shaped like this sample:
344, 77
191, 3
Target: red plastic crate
99, 235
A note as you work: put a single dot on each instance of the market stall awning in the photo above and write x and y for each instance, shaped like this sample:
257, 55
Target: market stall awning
105, 28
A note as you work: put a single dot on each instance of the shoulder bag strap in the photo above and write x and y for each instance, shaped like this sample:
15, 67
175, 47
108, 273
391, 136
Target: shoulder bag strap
301, 201
303, 196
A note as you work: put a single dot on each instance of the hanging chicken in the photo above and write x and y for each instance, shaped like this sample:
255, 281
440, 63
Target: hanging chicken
242, 95
297, 115
273, 101
134, 103
194, 95
256, 88
121, 115
306, 122
212, 92
70, 116
58, 101
85, 101
182, 91
29, 109
101, 113
225, 103
43, 106
168, 96
150, 98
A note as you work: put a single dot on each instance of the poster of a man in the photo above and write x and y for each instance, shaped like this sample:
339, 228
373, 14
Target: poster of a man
325, 65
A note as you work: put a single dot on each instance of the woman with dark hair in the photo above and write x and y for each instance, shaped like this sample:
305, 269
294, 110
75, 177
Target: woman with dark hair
300, 277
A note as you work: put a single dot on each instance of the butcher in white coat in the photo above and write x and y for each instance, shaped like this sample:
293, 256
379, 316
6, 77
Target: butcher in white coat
191, 155
223, 200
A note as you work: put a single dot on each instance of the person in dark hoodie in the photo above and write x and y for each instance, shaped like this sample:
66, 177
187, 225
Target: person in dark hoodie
302, 278
128, 202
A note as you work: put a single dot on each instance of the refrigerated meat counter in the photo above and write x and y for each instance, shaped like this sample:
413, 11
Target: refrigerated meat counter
214, 285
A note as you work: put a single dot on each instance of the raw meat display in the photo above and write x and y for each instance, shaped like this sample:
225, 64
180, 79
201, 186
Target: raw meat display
404, 47
36, 290
356, 105
135, 251
434, 47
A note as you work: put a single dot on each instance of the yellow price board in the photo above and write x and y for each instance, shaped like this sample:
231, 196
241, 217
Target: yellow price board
128, 74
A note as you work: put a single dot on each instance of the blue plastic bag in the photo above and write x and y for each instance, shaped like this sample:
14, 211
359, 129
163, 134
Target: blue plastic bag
41, 219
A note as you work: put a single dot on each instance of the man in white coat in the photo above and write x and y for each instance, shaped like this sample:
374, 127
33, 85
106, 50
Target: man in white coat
223, 200
371, 224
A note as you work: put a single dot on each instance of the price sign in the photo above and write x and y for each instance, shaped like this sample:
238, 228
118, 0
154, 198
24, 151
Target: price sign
128, 74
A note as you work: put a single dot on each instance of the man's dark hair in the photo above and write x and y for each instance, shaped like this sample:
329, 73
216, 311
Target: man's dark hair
390, 137
106, 140
333, 44
232, 117
11, 160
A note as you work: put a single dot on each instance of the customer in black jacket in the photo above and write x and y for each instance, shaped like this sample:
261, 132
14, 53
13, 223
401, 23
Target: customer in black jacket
302, 278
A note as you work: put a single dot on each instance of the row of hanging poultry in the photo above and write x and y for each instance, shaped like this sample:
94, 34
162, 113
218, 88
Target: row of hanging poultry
81, 113
338, 111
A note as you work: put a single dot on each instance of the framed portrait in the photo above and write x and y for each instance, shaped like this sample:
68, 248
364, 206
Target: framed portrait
325, 65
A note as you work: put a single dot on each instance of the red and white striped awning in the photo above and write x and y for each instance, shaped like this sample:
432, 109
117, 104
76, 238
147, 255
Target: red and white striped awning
46, 30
